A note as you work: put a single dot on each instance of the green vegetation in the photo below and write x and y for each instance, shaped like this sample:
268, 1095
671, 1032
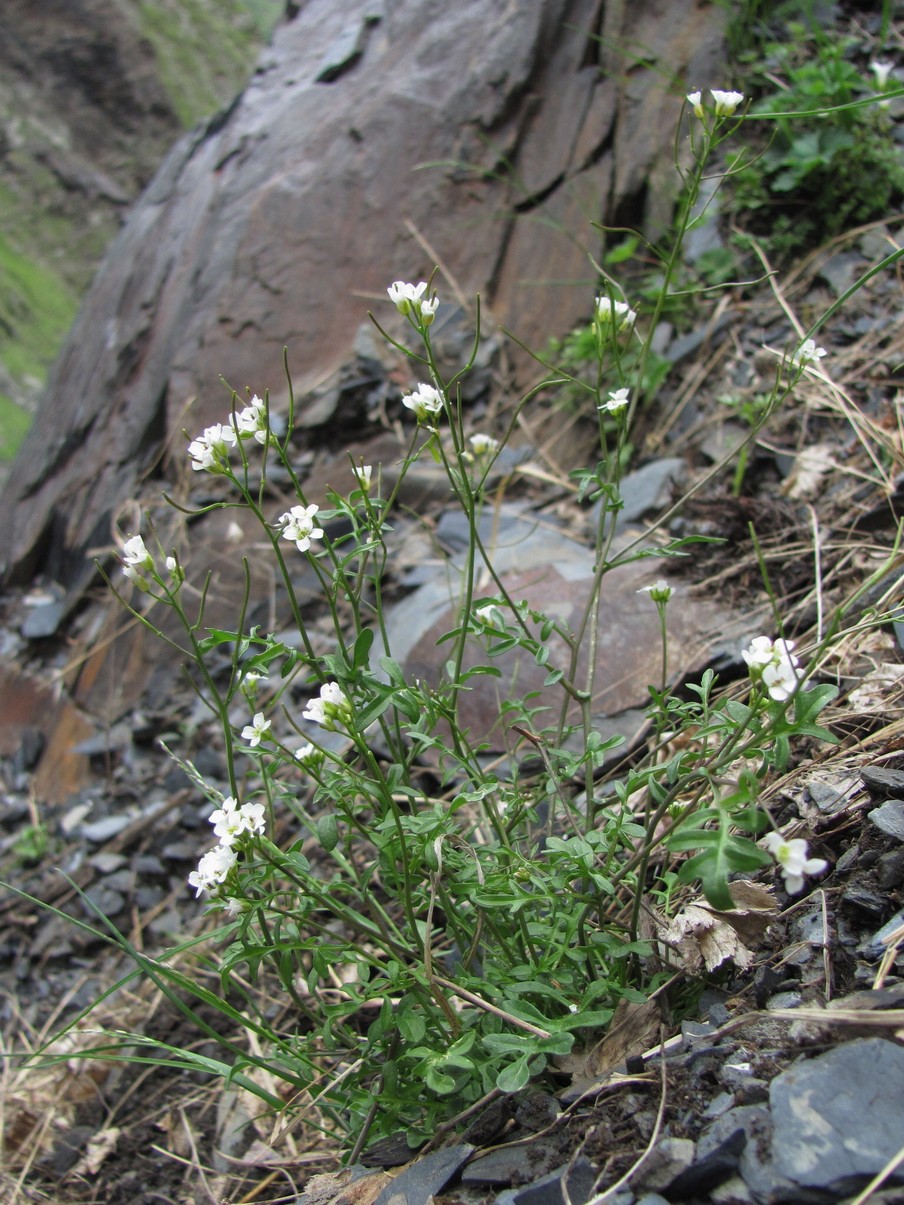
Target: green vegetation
36, 309
825, 159
197, 81
442, 924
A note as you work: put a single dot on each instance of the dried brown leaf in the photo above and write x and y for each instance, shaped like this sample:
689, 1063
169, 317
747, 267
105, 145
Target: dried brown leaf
705, 937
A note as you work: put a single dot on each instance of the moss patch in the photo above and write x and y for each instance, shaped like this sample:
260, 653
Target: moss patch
14, 424
36, 309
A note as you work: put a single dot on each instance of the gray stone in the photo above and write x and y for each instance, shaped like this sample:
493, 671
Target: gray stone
837, 1117
665, 1163
883, 782
572, 1183
505, 1165
102, 830
43, 621
783, 1000
874, 947
890, 869
889, 818
756, 1167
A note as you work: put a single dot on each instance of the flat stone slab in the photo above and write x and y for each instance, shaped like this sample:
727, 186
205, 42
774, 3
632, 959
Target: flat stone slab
554, 575
837, 1118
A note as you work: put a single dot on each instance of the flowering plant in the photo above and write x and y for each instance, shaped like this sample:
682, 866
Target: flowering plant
385, 874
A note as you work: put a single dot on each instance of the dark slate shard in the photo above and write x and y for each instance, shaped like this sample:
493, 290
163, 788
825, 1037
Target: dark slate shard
388, 1152
425, 1177
574, 1182
833, 1139
712, 1170
882, 782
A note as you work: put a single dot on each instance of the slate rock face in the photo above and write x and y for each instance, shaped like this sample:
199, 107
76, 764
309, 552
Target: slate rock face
283, 220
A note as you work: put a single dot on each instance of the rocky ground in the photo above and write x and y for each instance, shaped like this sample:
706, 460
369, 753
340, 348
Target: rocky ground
772, 1075
781, 1080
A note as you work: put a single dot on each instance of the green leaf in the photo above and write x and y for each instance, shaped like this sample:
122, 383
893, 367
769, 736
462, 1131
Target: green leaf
412, 1025
328, 831
515, 1076
361, 652
439, 1082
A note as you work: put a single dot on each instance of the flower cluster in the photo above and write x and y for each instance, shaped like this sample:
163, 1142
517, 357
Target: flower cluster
252, 421
617, 314
363, 476
331, 709
298, 526
725, 102
410, 300
792, 858
881, 71
310, 757
773, 663
137, 561
210, 451
229, 823
426, 402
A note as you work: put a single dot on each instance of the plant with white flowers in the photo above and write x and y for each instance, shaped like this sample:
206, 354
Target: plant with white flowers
384, 873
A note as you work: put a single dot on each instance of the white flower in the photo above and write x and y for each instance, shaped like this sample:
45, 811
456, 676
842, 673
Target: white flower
331, 709
617, 399
364, 475
807, 353
254, 732
230, 821
172, 565
210, 451
694, 99
726, 102
135, 553
410, 299
252, 421
428, 310
213, 868
483, 445
614, 313
792, 858
425, 402
780, 680
774, 664
881, 71
760, 653
298, 526
660, 591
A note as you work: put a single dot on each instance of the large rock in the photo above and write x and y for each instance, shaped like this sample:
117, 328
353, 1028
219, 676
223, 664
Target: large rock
375, 141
